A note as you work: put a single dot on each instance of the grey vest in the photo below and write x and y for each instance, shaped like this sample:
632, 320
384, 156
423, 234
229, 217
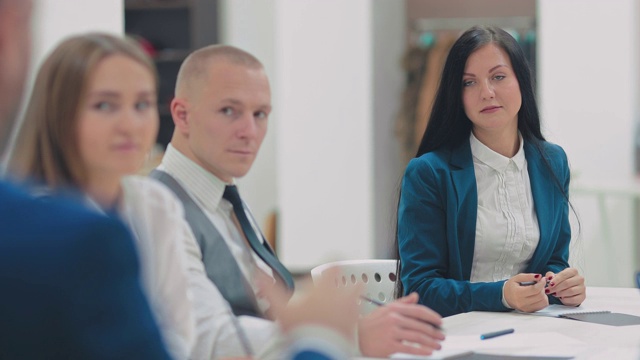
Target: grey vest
219, 263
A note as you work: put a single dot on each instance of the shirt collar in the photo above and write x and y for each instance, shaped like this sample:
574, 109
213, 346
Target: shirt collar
494, 160
206, 188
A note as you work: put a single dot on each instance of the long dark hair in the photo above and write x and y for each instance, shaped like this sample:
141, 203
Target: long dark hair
449, 125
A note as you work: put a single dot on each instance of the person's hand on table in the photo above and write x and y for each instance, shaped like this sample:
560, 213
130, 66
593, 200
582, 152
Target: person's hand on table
321, 305
401, 326
526, 298
568, 286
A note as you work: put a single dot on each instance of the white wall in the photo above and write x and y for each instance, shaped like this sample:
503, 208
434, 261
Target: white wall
324, 130
56, 19
388, 28
335, 92
587, 66
250, 25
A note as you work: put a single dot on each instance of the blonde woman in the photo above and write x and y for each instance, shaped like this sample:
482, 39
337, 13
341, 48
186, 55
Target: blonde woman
90, 122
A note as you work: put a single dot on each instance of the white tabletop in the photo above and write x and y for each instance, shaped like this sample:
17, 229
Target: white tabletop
598, 341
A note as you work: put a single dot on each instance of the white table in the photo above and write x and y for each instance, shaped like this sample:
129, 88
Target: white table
603, 191
602, 341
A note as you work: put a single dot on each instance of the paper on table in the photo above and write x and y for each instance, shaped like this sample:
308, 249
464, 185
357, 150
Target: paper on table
437, 355
556, 344
608, 318
555, 310
587, 315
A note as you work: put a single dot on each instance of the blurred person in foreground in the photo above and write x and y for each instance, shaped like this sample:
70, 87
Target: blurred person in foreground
90, 123
69, 277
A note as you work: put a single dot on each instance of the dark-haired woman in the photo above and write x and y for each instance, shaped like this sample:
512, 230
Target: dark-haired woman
484, 205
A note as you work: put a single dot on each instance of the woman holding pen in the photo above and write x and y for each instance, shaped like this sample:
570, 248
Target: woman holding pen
484, 204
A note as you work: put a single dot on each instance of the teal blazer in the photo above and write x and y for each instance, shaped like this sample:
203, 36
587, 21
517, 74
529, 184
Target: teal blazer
437, 226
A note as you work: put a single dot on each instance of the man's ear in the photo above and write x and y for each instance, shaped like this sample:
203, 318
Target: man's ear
180, 115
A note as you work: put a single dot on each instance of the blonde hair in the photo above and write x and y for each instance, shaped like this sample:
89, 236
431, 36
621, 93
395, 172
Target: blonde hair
46, 149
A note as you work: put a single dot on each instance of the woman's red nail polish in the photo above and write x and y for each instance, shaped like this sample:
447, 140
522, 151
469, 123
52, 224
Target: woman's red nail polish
551, 284
550, 277
537, 276
546, 291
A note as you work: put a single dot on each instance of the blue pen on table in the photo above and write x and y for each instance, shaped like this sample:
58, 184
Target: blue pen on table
379, 303
496, 333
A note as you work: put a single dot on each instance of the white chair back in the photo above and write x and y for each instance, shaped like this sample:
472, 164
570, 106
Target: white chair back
378, 277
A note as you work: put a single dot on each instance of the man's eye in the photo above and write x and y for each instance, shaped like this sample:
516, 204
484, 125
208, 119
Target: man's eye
227, 111
261, 115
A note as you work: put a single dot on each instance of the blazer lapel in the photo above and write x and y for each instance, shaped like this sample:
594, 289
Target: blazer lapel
466, 198
543, 199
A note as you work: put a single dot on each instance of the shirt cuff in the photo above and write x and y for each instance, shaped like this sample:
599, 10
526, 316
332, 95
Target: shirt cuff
319, 339
504, 301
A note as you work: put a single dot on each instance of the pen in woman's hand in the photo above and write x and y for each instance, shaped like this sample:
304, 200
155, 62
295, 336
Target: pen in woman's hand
380, 303
529, 283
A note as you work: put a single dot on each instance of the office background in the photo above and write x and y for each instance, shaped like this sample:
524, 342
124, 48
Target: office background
331, 162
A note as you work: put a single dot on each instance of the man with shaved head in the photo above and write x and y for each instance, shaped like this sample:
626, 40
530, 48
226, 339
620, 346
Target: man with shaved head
221, 110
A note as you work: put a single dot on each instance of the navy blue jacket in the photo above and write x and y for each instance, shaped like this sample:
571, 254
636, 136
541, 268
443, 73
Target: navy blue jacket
69, 284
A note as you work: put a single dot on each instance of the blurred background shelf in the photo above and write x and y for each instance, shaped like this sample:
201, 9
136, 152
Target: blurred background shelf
170, 30
156, 4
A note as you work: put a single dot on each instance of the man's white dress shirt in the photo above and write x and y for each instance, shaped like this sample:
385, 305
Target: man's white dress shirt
217, 334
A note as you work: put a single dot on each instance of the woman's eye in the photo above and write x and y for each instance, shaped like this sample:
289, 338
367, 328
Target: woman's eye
143, 105
468, 83
499, 77
103, 106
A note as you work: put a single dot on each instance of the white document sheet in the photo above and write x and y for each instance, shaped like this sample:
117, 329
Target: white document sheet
530, 344
555, 310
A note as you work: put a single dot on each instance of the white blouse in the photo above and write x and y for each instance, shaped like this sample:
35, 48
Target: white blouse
196, 322
155, 217
507, 232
